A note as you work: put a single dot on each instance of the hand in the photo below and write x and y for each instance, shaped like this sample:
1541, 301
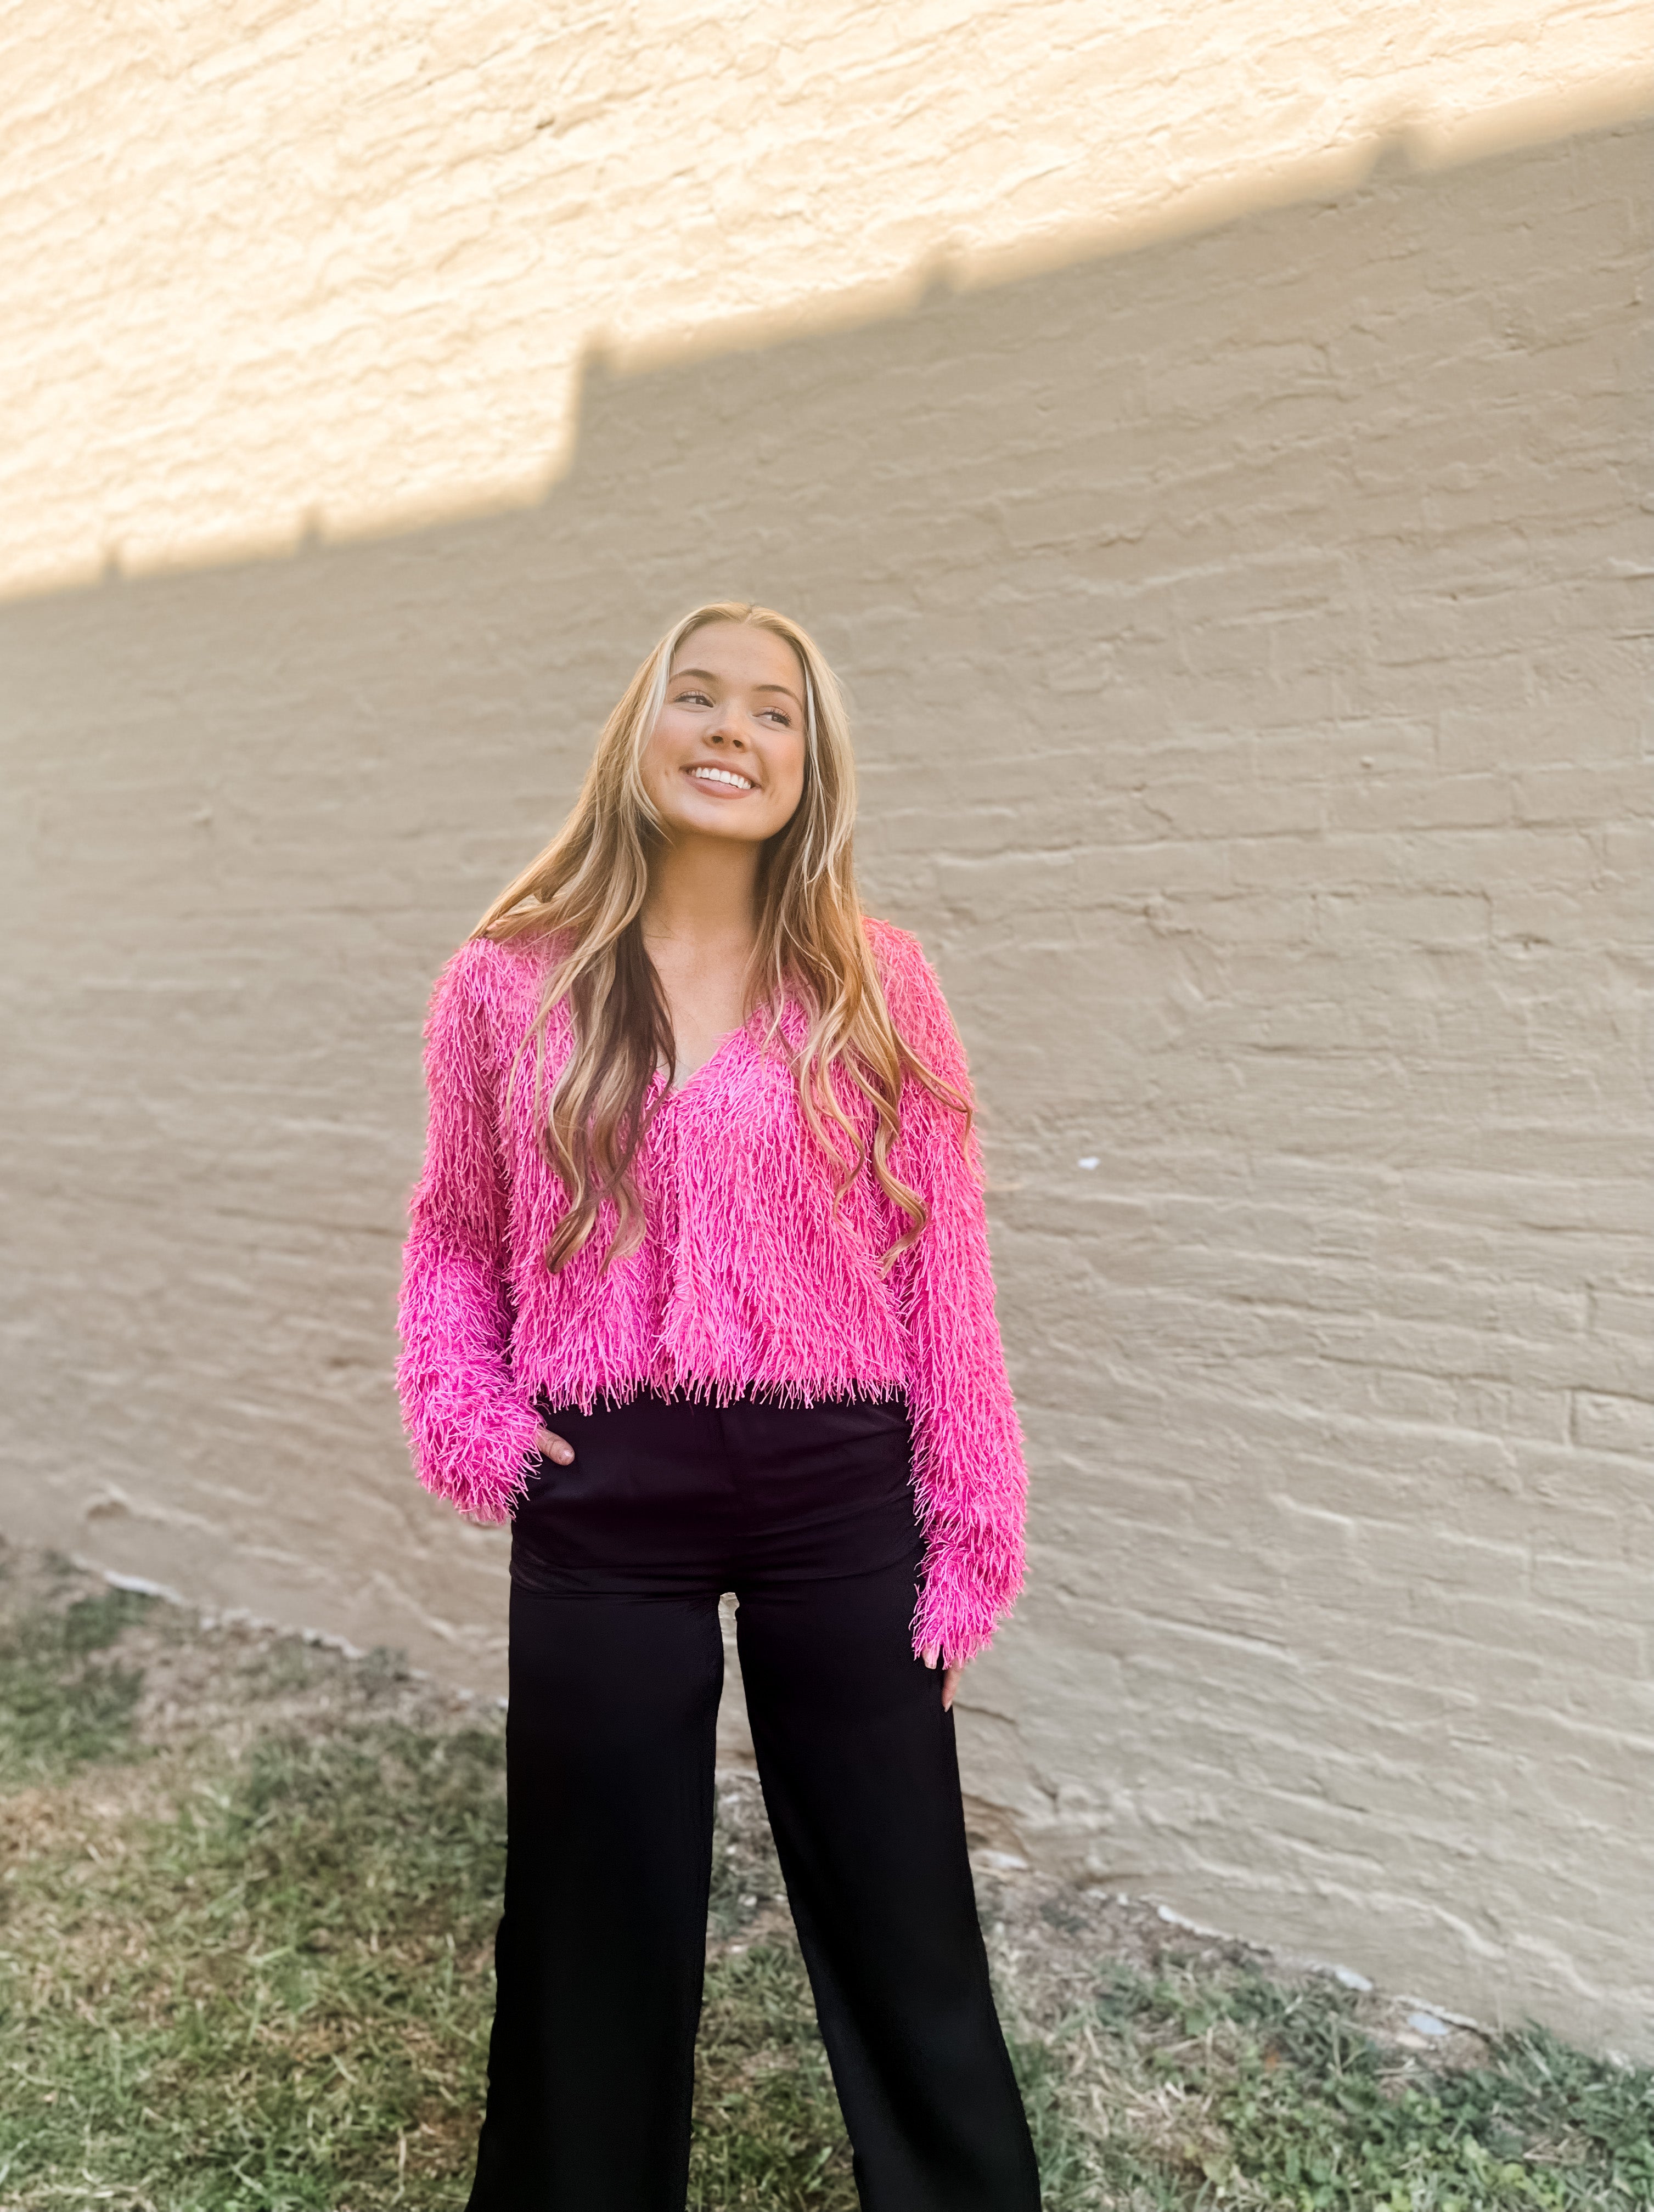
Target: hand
932, 1655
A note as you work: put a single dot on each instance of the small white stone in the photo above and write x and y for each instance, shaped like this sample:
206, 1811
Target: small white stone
1176, 1920
1350, 1979
1425, 2023
1088, 1165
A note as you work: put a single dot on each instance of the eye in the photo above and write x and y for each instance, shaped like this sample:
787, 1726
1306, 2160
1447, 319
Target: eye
690, 698
778, 714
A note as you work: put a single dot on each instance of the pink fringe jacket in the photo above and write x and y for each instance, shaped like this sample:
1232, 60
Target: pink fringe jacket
748, 1276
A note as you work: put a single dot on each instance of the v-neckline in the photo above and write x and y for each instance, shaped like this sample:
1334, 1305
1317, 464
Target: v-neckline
672, 1091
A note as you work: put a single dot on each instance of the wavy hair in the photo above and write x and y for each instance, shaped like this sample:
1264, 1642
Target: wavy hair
588, 887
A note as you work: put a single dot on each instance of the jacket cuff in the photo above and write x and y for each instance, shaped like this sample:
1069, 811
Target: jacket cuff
960, 1604
475, 1454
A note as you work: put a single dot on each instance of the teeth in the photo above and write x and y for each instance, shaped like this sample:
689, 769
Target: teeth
722, 776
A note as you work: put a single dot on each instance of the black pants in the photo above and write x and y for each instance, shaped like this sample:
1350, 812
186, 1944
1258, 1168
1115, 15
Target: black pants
617, 1662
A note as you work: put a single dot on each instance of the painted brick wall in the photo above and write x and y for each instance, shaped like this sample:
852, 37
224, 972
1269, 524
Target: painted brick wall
275, 266
1244, 633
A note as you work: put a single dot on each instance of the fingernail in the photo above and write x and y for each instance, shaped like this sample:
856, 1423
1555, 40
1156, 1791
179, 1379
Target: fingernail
564, 1454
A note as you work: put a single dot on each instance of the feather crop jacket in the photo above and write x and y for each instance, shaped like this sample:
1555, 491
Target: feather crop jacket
753, 1274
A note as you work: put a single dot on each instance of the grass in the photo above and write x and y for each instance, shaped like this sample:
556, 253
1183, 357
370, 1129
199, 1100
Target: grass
248, 1965
64, 1698
1274, 2095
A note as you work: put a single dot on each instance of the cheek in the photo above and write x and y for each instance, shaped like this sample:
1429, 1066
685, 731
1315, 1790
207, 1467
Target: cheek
788, 781
656, 763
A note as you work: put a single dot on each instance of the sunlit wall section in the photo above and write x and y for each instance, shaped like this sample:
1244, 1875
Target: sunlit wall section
272, 270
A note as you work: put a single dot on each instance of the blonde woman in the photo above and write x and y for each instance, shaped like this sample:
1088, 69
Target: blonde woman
697, 1296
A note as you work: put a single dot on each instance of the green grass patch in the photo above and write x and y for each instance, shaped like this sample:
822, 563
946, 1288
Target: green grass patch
1227, 2088
768, 2132
1316, 2106
65, 1698
276, 1999
263, 1984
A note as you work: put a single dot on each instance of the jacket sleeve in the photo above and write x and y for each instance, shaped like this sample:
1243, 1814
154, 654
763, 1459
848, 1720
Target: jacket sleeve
968, 1462
471, 1429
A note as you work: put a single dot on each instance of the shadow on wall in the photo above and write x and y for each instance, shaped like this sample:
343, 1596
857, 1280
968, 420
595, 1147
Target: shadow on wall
1237, 629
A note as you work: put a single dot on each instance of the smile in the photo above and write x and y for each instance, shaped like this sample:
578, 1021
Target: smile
724, 776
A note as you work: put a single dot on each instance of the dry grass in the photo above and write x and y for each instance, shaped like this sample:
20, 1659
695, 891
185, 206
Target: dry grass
247, 1896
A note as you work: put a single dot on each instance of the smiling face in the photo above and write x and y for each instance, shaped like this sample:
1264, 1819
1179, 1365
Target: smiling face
726, 757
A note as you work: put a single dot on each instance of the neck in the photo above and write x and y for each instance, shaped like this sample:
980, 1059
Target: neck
702, 890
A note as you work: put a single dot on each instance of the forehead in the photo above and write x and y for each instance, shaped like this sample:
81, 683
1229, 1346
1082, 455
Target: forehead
742, 652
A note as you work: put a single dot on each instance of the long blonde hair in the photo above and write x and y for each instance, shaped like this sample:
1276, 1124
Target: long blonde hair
589, 885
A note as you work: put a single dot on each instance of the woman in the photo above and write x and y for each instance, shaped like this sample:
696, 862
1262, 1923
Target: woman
697, 1294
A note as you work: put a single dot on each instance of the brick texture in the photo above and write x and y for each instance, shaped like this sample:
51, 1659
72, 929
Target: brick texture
273, 266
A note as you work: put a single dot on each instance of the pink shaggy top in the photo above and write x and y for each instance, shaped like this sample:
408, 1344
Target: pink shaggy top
750, 1277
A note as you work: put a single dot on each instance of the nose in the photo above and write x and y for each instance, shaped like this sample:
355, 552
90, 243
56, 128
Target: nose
727, 731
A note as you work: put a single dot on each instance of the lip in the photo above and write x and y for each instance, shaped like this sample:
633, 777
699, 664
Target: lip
707, 776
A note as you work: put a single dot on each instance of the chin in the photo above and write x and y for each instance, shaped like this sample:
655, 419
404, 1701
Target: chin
718, 821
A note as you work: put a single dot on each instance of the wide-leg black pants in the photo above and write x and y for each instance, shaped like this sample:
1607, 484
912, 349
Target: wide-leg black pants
617, 1662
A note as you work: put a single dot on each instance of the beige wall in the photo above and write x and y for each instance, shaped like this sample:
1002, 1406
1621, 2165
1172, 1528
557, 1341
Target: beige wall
1242, 615
280, 266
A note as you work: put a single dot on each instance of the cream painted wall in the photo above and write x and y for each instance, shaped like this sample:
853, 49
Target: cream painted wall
1236, 554
280, 266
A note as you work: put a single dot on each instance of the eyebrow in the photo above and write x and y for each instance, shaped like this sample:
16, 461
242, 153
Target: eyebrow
678, 674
